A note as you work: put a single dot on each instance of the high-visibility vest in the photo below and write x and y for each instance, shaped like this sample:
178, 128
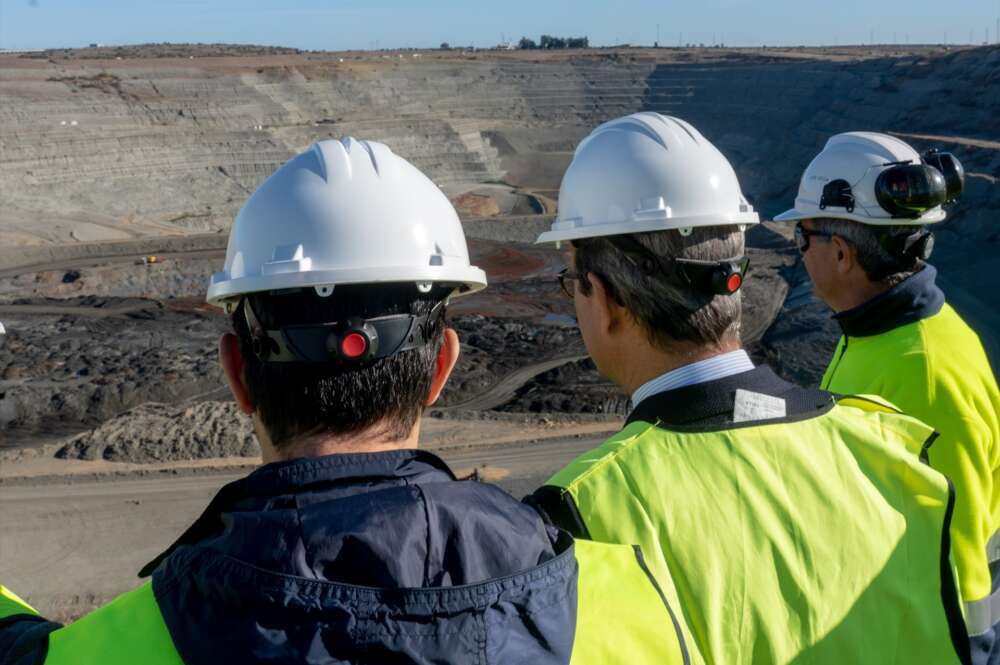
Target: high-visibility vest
935, 369
622, 610
817, 540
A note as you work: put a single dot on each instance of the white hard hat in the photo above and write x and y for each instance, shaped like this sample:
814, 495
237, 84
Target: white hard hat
345, 212
857, 159
647, 172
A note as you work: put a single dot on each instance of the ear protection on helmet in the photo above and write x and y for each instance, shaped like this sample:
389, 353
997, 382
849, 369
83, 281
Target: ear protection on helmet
950, 168
906, 190
910, 190
354, 341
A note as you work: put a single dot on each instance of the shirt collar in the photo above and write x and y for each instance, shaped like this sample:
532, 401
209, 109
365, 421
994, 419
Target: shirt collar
708, 406
915, 298
716, 367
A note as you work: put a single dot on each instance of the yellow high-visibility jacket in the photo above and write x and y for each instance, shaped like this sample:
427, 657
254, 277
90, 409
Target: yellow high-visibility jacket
911, 348
819, 537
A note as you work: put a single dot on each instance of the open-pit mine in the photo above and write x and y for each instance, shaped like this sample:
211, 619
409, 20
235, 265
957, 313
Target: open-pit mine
122, 169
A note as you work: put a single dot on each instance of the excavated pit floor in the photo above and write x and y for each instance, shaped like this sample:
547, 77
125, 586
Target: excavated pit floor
130, 374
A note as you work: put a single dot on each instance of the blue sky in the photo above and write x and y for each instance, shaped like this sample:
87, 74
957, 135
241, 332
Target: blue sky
351, 24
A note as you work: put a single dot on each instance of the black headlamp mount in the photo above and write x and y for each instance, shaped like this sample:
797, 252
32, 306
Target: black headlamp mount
354, 341
722, 278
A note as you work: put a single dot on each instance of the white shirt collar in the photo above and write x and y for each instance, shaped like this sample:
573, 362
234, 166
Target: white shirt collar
710, 369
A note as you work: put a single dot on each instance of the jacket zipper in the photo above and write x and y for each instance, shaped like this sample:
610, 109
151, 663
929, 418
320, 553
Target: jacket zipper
840, 357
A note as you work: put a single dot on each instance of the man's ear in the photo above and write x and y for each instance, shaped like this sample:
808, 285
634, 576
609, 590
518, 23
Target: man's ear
231, 360
845, 254
605, 311
443, 365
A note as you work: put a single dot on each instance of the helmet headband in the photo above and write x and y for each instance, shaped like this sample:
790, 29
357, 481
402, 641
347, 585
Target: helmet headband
352, 342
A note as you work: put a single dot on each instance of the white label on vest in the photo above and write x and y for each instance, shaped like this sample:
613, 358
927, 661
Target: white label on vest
756, 406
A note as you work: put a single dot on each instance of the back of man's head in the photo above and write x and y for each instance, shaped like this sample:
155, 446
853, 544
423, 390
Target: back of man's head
337, 274
657, 213
878, 248
668, 310
300, 399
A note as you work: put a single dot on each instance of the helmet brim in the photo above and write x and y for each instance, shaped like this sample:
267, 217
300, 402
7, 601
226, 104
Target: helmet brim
792, 215
930, 217
471, 278
582, 231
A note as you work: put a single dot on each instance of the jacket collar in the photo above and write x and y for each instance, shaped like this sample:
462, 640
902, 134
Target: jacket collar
710, 405
409, 466
915, 298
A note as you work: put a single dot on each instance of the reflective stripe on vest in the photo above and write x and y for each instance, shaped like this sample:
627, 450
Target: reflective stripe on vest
823, 539
982, 615
128, 630
12, 605
623, 611
993, 548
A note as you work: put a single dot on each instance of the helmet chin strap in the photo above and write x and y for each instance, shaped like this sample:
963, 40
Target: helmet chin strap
352, 342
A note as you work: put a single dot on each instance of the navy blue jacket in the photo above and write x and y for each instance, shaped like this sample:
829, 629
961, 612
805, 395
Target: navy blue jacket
381, 558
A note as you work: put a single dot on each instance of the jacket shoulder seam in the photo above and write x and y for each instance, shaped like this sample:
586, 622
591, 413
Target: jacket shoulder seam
609, 456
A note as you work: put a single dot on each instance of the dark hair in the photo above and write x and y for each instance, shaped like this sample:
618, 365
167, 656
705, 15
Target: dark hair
295, 399
667, 311
879, 263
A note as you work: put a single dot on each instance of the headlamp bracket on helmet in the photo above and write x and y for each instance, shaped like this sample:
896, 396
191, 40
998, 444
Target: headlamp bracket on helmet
352, 342
837, 193
722, 278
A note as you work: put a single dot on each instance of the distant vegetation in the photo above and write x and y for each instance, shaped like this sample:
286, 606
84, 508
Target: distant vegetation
550, 42
164, 50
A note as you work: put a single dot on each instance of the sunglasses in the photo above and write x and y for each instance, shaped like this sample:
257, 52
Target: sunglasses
567, 275
803, 236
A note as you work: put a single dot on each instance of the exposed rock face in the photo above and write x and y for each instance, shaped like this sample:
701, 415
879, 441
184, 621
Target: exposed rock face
104, 149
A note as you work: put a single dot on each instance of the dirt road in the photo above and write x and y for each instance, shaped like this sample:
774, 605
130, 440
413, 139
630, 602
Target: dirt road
68, 547
504, 390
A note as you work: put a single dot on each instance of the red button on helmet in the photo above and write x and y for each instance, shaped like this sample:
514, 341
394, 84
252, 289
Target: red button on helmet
734, 282
354, 345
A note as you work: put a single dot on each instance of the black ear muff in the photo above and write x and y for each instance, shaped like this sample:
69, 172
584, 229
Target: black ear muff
909, 190
951, 169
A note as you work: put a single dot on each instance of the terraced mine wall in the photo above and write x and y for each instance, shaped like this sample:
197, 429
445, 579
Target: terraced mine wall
138, 149
115, 149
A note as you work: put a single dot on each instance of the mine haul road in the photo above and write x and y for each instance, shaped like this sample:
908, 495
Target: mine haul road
71, 545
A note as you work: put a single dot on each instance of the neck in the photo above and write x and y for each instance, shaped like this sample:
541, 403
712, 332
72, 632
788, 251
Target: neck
651, 362
375, 439
858, 293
